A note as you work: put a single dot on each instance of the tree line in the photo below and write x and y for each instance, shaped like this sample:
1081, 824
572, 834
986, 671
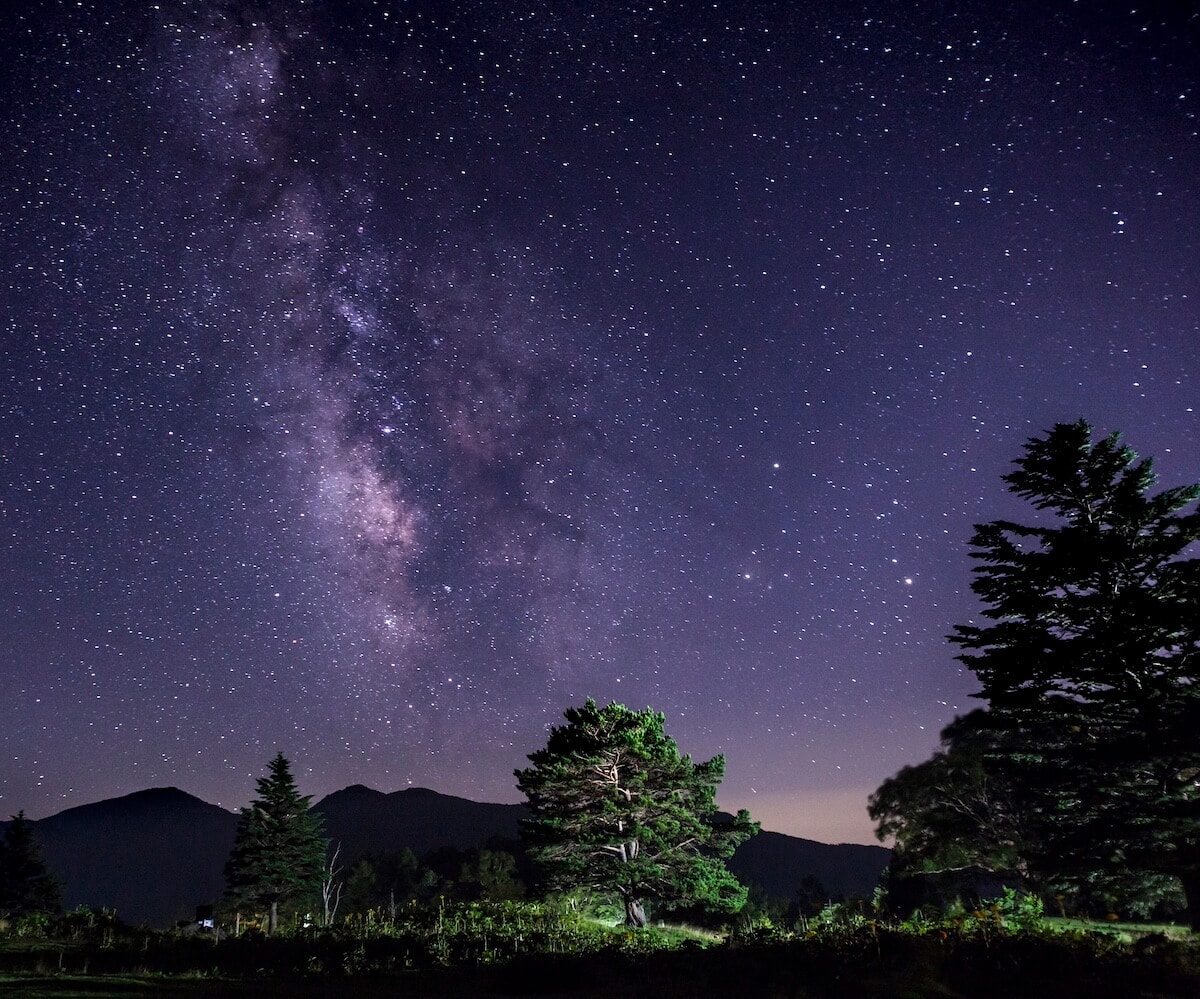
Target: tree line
615, 808
1080, 774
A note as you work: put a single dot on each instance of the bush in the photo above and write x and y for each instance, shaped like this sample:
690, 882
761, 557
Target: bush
32, 924
1020, 910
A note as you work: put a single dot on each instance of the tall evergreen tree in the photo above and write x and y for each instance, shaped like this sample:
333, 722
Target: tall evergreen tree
1091, 660
26, 884
616, 808
279, 850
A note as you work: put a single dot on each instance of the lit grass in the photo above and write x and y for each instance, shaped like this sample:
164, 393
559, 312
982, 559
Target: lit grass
1125, 932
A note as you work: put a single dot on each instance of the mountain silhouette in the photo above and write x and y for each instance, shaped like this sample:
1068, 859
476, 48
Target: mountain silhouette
154, 855
778, 863
363, 820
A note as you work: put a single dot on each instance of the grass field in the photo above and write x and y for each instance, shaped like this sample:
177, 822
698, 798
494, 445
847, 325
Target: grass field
1126, 932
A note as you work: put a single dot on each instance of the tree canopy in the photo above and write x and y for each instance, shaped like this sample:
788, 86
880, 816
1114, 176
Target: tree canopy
950, 812
1089, 661
279, 849
26, 884
616, 808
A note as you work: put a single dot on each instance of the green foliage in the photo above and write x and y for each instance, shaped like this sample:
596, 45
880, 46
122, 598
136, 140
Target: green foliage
490, 875
525, 948
598, 906
1021, 910
399, 878
839, 917
1091, 660
1132, 894
26, 884
616, 808
32, 924
279, 850
474, 933
359, 893
390, 880
950, 812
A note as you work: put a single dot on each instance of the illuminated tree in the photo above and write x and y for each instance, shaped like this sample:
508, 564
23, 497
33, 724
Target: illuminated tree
279, 850
616, 808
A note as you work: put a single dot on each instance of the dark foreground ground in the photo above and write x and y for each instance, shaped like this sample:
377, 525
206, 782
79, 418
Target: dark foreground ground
929, 967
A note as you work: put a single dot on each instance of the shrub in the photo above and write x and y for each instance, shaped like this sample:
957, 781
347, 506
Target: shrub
1020, 910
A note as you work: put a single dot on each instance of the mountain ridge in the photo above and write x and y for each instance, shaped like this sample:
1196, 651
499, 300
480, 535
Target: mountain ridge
154, 855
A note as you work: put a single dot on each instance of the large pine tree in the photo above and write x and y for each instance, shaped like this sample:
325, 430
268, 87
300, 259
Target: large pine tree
615, 807
1091, 659
279, 850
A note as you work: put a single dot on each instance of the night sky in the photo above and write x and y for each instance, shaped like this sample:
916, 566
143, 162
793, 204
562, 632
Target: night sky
379, 380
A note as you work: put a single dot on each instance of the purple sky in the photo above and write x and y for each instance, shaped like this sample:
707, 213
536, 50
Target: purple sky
375, 383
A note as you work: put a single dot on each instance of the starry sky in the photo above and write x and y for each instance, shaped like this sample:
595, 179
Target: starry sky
379, 379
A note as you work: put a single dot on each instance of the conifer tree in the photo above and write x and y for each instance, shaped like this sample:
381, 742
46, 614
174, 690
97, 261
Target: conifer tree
279, 850
616, 808
1091, 660
26, 884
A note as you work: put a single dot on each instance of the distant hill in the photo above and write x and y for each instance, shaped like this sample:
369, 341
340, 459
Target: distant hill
153, 856
364, 820
777, 864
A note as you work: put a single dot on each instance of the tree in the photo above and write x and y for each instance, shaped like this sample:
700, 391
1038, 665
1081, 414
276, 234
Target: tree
1091, 660
616, 808
490, 874
26, 884
956, 818
390, 877
950, 812
279, 849
331, 887
360, 887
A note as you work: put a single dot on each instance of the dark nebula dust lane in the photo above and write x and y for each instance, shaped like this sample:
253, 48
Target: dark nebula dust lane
378, 380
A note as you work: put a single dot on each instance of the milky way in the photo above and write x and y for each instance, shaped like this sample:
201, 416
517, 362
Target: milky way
379, 381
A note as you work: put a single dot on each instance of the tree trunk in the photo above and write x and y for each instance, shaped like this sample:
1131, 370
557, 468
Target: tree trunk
273, 919
635, 915
1191, 891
